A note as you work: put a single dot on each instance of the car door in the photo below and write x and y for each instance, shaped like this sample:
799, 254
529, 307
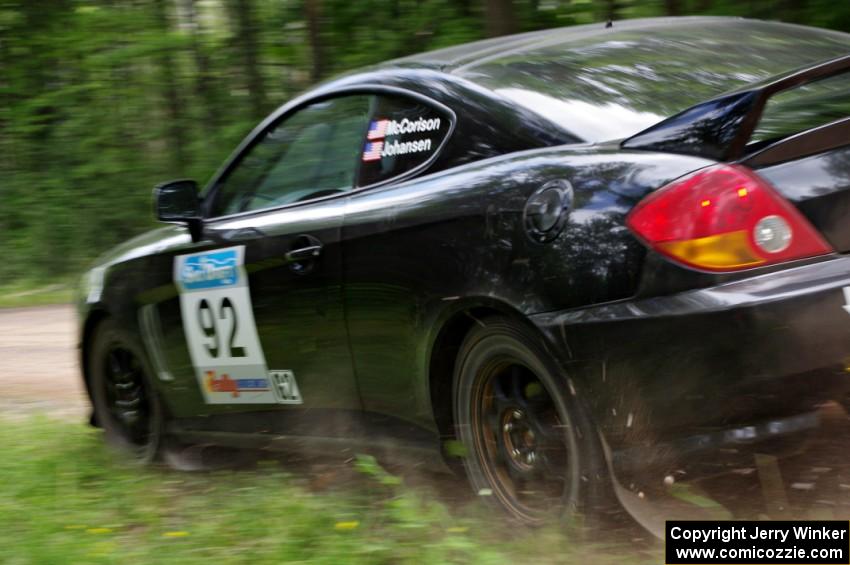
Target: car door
396, 236
259, 315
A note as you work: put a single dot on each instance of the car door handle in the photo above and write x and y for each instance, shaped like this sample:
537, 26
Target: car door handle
304, 253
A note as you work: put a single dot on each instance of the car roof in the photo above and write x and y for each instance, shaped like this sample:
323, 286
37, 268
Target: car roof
474, 52
609, 83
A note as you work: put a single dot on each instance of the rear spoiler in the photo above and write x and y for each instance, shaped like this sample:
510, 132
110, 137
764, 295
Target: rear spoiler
721, 127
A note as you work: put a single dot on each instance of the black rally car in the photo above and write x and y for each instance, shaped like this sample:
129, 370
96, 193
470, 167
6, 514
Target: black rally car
564, 257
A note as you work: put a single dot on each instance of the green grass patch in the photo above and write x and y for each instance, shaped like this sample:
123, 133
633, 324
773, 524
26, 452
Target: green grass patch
27, 294
66, 498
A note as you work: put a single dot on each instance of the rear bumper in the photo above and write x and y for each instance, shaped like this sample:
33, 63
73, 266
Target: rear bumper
699, 370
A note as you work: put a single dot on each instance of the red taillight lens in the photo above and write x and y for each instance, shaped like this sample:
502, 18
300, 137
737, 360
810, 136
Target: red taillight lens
724, 218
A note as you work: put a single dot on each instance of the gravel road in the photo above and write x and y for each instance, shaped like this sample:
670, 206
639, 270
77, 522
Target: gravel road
39, 371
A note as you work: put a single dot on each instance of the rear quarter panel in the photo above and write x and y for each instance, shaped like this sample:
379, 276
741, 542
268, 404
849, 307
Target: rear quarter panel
417, 252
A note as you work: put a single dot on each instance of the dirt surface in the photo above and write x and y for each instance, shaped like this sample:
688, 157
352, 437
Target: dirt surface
39, 371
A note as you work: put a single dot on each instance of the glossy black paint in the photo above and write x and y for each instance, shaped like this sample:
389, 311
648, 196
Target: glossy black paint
709, 129
420, 253
819, 185
371, 325
713, 359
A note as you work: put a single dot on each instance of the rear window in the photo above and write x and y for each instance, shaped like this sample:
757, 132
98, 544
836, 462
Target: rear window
803, 108
404, 134
611, 85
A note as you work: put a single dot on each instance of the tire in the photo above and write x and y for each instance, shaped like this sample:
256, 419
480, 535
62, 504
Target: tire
529, 447
125, 403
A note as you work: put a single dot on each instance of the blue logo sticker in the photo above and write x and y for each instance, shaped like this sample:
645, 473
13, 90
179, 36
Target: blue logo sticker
214, 269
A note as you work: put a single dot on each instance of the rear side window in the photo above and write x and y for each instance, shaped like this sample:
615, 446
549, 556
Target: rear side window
404, 134
804, 108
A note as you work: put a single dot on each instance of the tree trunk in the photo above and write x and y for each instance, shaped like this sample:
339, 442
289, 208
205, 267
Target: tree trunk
794, 11
204, 87
173, 109
246, 37
612, 10
313, 9
500, 17
672, 7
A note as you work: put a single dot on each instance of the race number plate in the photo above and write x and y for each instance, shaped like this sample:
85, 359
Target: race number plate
218, 320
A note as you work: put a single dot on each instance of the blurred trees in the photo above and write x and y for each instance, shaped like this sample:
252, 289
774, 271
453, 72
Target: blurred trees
499, 16
101, 99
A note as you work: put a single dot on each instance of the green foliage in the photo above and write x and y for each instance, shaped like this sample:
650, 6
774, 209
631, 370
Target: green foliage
26, 293
102, 99
65, 498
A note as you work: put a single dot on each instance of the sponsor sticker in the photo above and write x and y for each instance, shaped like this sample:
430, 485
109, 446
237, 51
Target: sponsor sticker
233, 387
214, 269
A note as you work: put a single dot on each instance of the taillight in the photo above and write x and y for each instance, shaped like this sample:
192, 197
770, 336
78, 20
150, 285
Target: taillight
724, 218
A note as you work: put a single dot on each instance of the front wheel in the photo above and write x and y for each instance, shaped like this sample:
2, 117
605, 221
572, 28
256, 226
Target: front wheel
125, 404
529, 449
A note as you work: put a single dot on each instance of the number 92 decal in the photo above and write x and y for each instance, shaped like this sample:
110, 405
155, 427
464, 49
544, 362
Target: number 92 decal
209, 323
218, 321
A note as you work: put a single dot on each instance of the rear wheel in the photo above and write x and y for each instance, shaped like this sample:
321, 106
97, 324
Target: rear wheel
530, 450
125, 404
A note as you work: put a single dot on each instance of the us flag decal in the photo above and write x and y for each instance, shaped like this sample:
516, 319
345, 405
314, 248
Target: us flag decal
372, 151
377, 129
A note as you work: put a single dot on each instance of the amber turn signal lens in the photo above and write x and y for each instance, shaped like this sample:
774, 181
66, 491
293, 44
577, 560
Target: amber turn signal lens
725, 251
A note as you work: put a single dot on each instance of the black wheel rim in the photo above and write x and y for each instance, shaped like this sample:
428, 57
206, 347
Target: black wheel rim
125, 396
521, 442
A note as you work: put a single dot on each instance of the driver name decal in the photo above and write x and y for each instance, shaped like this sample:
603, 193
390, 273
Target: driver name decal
405, 147
378, 147
378, 129
375, 150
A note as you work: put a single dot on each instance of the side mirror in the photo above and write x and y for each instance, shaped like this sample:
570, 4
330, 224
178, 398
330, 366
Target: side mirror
177, 201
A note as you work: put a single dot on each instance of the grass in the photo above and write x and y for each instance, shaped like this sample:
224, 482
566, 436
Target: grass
65, 498
27, 294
